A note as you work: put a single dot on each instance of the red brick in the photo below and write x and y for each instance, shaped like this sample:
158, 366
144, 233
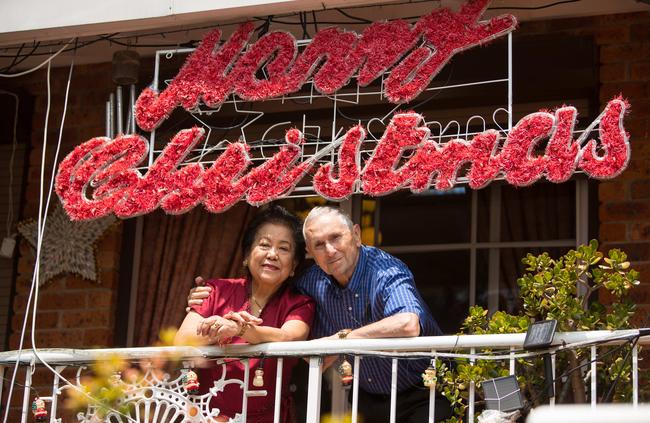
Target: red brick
612, 35
98, 337
625, 211
640, 190
85, 319
613, 72
620, 18
640, 71
640, 232
62, 301
60, 339
624, 52
101, 299
631, 90
611, 191
641, 318
44, 320
77, 282
612, 232
640, 32
636, 169
638, 129
636, 251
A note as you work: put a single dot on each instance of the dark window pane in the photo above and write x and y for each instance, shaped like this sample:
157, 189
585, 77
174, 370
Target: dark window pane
510, 269
443, 280
430, 218
542, 211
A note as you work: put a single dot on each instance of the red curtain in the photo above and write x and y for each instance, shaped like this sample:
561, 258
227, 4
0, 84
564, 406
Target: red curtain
175, 249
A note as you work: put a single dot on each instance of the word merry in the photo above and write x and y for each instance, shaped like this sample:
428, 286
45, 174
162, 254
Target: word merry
214, 72
405, 157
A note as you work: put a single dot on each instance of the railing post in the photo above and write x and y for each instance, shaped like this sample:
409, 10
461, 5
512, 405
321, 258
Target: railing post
432, 391
2, 379
355, 389
313, 392
393, 391
278, 391
470, 409
552, 400
593, 378
635, 376
55, 393
28, 387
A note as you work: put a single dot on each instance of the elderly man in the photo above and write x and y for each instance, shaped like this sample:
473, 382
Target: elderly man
363, 292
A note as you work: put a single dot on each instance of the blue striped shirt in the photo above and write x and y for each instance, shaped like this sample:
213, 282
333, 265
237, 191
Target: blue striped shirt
381, 286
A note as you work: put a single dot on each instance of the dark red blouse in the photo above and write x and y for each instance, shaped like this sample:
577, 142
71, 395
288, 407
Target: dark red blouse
233, 295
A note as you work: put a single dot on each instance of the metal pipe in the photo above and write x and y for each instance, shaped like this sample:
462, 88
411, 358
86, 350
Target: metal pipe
111, 100
118, 95
131, 130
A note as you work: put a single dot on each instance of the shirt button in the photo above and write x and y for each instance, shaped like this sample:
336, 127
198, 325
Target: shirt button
356, 295
369, 379
350, 308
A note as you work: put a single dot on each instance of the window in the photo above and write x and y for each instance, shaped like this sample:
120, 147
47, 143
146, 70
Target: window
465, 247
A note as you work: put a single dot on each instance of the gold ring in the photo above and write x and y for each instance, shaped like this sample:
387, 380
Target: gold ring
215, 326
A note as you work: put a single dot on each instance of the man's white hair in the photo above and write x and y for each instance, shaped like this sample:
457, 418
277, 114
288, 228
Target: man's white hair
319, 211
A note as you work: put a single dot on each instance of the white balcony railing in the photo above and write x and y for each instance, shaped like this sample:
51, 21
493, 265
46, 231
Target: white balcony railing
163, 399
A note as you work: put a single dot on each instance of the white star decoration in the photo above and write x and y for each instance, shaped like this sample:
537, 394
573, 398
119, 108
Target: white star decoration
68, 247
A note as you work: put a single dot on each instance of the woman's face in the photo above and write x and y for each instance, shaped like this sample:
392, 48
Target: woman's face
272, 257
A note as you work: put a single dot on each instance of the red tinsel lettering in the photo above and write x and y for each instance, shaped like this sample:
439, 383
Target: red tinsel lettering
615, 149
331, 187
205, 73
108, 166
281, 47
446, 33
381, 176
149, 190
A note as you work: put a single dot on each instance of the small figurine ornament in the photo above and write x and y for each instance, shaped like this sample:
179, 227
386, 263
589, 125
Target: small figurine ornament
191, 381
38, 409
345, 369
258, 380
429, 377
115, 379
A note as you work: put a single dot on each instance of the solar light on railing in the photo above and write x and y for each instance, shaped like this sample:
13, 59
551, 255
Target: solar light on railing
502, 394
540, 335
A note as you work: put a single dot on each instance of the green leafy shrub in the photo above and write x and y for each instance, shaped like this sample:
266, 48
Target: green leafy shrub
564, 289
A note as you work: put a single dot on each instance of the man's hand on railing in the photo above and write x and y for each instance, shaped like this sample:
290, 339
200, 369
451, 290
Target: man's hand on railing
198, 293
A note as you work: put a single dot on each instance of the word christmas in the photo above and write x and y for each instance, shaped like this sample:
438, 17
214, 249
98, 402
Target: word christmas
405, 157
213, 72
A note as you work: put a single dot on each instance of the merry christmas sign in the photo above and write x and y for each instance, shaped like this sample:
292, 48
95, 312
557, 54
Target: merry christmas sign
100, 176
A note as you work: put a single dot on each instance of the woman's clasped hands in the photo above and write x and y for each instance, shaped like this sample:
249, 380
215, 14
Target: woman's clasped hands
221, 329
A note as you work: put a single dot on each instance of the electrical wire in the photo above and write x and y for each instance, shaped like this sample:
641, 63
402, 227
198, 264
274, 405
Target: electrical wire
544, 6
45, 62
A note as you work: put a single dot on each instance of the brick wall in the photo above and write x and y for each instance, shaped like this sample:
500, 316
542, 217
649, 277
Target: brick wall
72, 312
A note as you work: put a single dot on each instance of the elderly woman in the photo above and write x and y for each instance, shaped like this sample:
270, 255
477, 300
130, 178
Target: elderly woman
261, 307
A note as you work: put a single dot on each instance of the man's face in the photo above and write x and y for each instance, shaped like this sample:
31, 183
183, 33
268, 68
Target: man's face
333, 245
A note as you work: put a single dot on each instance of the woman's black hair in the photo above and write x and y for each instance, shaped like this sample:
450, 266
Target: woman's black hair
280, 216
